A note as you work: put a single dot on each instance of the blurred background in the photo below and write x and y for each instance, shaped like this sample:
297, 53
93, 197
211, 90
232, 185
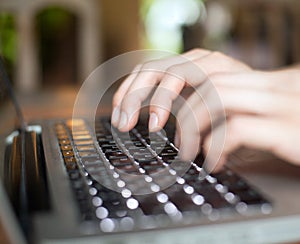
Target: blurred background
51, 45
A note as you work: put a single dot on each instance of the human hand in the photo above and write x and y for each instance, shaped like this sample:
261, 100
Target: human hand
171, 75
246, 100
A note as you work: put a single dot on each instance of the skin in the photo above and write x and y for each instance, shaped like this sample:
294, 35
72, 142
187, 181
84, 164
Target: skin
260, 107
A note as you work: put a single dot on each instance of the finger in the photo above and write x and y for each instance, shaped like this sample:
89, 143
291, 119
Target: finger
189, 137
171, 85
196, 53
276, 136
120, 93
196, 100
130, 107
213, 147
204, 112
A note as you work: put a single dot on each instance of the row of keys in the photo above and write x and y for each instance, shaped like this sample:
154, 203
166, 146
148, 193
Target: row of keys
76, 179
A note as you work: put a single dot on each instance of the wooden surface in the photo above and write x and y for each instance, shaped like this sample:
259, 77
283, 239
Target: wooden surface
49, 103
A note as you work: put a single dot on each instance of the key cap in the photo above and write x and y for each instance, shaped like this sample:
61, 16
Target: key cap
83, 142
66, 147
84, 154
86, 148
121, 162
68, 153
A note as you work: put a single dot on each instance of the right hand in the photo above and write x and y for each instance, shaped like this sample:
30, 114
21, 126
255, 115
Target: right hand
171, 75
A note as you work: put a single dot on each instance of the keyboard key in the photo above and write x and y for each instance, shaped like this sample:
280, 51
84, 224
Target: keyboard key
64, 142
66, 147
70, 160
81, 137
86, 148
127, 169
83, 142
68, 153
121, 162
115, 155
84, 154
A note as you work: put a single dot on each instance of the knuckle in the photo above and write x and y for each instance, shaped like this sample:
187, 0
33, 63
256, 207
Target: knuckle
173, 69
197, 51
137, 68
177, 71
217, 54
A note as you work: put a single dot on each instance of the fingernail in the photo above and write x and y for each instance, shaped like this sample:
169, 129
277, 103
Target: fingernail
123, 120
153, 122
115, 116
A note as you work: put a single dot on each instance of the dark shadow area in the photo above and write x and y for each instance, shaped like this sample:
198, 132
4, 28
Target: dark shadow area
57, 38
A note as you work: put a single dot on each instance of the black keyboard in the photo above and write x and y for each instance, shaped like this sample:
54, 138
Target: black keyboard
134, 180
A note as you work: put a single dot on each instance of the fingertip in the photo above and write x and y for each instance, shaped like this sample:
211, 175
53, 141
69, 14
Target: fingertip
153, 122
127, 122
157, 119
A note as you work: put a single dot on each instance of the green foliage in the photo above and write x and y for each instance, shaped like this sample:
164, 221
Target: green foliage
8, 37
54, 18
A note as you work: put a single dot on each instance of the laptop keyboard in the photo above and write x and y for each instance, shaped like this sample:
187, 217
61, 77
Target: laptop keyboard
126, 181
